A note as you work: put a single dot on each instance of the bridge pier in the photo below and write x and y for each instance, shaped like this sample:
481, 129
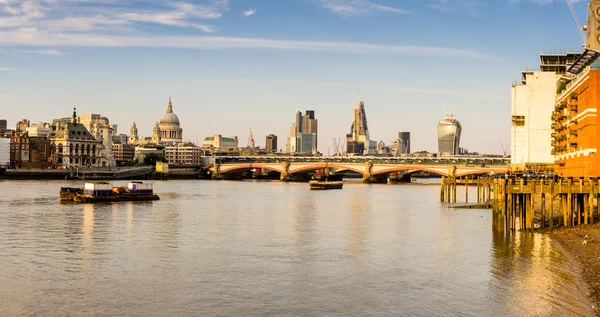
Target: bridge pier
285, 172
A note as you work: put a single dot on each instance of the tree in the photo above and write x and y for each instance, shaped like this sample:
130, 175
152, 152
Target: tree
152, 158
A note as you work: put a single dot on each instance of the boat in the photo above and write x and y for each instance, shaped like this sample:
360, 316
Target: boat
325, 184
105, 192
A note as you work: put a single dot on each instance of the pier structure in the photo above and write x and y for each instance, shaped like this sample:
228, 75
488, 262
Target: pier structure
483, 184
528, 204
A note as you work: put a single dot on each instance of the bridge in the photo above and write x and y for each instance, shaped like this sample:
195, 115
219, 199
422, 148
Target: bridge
371, 168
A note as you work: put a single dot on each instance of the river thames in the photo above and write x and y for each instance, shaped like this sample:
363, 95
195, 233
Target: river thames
225, 248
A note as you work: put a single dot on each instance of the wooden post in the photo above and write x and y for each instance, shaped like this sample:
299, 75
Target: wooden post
586, 208
466, 189
551, 209
531, 211
569, 209
478, 189
454, 190
543, 211
442, 189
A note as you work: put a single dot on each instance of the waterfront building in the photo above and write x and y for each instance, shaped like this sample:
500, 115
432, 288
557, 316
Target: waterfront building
271, 143
72, 145
4, 151
170, 129
123, 153
404, 138
220, 142
305, 128
448, 134
532, 103
101, 129
120, 138
575, 121
183, 154
358, 141
3, 126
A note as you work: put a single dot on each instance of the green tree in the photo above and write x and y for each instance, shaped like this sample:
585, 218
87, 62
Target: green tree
152, 158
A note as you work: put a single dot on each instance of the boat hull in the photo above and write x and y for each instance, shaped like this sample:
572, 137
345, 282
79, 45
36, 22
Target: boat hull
115, 198
320, 185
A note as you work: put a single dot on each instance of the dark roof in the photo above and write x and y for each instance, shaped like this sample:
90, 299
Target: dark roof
73, 131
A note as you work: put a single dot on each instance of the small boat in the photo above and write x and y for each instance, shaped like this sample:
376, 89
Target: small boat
325, 184
104, 192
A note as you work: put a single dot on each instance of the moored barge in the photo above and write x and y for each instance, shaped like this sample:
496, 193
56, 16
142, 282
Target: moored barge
322, 185
105, 192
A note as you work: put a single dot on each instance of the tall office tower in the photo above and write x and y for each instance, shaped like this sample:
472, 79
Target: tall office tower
303, 134
271, 143
404, 138
448, 133
3, 124
358, 141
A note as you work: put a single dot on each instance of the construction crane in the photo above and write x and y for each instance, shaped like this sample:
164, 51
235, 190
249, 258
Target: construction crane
503, 149
336, 147
357, 96
576, 20
251, 140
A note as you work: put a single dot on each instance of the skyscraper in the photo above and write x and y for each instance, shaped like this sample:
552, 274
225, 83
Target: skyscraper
3, 124
271, 143
358, 140
448, 133
404, 138
303, 134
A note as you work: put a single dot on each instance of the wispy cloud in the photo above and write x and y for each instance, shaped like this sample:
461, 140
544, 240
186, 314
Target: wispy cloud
249, 12
34, 37
106, 15
356, 7
4, 69
43, 52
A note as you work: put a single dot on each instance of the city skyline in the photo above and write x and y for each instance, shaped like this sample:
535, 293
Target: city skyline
228, 63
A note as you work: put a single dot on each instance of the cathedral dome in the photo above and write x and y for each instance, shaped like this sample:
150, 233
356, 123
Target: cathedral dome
169, 117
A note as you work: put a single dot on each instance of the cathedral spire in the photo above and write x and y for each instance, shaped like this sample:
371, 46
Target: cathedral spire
170, 107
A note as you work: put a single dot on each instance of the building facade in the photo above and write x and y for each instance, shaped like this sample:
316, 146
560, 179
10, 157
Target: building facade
532, 103
123, 153
220, 142
73, 145
271, 143
183, 154
4, 151
101, 130
3, 125
575, 126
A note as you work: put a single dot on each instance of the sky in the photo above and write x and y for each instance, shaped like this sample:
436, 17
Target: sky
232, 65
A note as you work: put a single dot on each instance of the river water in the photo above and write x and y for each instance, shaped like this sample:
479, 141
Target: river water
221, 248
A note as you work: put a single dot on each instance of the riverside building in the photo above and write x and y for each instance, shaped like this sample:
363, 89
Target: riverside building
532, 103
575, 122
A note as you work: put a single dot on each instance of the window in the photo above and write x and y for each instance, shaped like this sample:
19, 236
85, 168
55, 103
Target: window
518, 121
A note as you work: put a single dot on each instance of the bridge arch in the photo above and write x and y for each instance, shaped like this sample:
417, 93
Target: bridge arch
231, 168
412, 169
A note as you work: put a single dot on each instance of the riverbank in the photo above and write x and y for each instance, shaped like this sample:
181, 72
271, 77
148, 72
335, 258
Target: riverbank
586, 253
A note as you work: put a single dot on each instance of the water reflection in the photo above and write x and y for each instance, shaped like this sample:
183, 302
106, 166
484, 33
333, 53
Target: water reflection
543, 280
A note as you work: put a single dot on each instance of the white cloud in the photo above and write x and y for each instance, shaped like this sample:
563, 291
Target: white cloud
43, 52
249, 12
439, 92
111, 16
4, 69
356, 7
34, 37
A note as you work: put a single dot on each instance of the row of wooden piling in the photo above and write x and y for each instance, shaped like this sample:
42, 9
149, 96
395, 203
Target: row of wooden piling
527, 204
449, 184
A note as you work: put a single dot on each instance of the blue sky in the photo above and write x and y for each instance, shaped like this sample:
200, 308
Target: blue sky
234, 64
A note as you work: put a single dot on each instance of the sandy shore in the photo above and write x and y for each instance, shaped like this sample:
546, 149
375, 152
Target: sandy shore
586, 253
